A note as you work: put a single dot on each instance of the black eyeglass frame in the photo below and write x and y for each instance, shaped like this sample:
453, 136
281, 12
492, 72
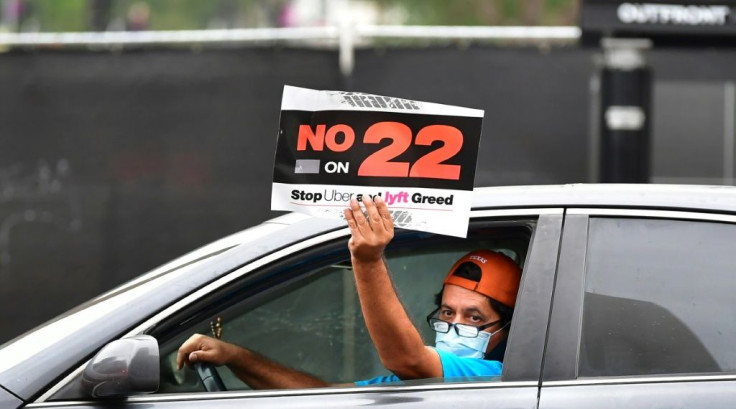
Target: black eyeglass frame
431, 320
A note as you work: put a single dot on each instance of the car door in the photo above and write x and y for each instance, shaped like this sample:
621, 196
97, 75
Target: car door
298, 306
643, 311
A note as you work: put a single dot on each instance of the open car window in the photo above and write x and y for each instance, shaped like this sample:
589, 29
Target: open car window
310, 319
303, 310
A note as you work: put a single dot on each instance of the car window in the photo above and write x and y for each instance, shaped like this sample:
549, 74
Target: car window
659, 298
313, 322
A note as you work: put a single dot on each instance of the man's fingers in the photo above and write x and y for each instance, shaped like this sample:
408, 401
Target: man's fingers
370, 209
179, 359
205, 355
388, 222
350, 219
369, 238
193, 357
184, 350
357, 212
190, 348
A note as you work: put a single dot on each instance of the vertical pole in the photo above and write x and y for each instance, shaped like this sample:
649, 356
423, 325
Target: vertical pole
346, 43
729, 129
625, 105
594, 128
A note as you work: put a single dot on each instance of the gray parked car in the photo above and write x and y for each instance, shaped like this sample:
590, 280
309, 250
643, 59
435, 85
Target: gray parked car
627, 300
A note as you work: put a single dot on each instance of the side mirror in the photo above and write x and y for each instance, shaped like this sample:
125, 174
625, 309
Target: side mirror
123, 367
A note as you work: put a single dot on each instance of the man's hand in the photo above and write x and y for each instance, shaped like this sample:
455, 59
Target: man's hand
201, 348
369, 236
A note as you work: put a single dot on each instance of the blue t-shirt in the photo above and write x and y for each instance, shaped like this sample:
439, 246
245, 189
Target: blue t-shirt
453, 366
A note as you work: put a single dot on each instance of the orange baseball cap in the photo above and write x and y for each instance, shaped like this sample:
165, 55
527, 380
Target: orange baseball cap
499, 277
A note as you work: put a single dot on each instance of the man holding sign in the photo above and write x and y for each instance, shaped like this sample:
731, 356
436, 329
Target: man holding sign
419, 158
475, 308
468, 327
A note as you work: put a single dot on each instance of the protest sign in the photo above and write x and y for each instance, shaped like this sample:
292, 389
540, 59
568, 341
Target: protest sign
419, 157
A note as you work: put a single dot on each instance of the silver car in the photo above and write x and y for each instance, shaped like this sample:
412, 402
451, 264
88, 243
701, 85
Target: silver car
626, 300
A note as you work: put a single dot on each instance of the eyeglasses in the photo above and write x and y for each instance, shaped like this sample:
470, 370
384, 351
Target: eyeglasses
464, 330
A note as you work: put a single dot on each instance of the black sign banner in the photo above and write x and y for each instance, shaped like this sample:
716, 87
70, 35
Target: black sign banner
419, 157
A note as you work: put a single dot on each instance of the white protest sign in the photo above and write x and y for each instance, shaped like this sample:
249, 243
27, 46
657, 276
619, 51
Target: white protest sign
419, 157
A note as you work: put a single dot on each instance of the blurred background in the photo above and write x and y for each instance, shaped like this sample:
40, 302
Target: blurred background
134, 131
116, 15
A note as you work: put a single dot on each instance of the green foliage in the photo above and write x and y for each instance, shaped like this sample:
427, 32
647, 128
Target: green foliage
485, 12
76, 15
67, 15
180, 14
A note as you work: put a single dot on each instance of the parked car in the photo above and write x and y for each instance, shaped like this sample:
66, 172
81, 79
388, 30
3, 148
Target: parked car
626, 300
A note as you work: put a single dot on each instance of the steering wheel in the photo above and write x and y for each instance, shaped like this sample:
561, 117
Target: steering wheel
210, 378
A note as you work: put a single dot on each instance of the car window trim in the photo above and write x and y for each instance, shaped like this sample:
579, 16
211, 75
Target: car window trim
638, 379
198, 396
516, 212
654, 214
240, 272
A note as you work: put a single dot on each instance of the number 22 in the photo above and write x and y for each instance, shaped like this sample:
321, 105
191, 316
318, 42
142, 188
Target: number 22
428, 166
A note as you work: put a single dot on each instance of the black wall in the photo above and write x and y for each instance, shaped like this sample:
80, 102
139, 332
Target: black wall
112, 163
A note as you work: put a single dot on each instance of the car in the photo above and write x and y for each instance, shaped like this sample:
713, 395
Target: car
626, 300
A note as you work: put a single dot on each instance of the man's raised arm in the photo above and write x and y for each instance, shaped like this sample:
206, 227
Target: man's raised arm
398, 342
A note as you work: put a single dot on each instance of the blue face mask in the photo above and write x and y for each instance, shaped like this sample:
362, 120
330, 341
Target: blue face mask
464, 347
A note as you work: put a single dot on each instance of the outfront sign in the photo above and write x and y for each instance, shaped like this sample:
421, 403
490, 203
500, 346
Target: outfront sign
419, 157
675, 20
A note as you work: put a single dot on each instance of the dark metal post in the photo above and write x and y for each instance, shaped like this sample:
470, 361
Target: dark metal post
625, 120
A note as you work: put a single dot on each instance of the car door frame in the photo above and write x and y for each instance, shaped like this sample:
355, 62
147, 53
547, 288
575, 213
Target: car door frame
561, 386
